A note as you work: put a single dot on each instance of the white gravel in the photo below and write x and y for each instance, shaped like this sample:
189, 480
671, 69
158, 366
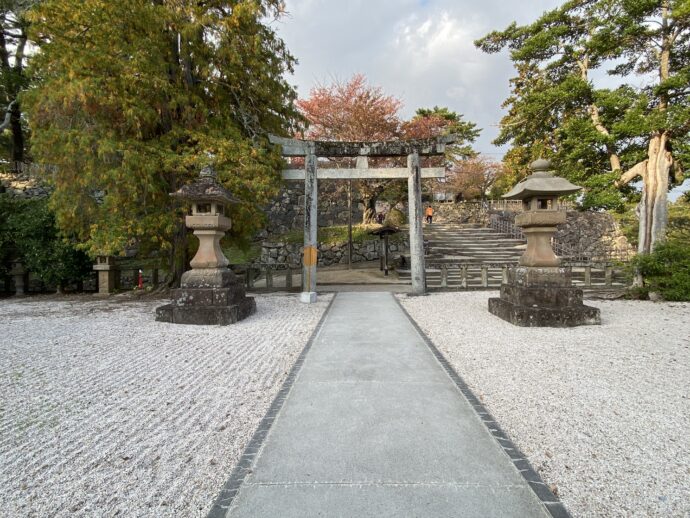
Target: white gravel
602, 412
105, 412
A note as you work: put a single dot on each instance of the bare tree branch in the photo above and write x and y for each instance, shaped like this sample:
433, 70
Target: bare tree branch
637, 170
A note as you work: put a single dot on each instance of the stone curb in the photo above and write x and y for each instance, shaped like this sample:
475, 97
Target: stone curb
552, 503
230, 489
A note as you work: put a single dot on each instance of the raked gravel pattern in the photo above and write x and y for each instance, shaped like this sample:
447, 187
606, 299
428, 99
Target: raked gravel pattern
602, 412
105, 412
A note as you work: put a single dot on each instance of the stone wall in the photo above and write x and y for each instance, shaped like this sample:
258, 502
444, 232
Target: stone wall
290, 254
286, 213
593, 236
22, 184
462, 212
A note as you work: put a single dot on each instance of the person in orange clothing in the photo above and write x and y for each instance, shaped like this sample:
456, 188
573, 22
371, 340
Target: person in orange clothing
429, 213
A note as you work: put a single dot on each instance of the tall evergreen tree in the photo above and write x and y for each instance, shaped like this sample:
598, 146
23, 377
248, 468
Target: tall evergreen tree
13, 80
133, 97
635, 132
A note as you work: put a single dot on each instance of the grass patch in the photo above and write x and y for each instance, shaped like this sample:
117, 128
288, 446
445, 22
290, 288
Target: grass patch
237, 255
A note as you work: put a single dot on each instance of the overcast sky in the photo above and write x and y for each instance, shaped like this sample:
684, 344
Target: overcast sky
420, 51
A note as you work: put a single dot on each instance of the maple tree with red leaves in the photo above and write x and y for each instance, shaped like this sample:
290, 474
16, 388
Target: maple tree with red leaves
353, 111
357, 111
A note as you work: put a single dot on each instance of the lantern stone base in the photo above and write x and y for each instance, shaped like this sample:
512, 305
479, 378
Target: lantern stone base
210, 296
542, 297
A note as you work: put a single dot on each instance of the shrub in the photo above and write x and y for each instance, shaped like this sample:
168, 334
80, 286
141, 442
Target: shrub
28, 233
667, 269
395, 217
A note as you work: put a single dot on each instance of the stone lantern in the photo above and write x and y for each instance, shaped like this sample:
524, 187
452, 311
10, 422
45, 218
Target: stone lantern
383, 233
209, 293
539, 291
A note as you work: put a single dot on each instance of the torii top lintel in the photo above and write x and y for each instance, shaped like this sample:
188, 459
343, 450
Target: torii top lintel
424, 147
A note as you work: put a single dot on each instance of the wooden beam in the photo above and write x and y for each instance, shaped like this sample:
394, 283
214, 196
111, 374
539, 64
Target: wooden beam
363, 174
423, 147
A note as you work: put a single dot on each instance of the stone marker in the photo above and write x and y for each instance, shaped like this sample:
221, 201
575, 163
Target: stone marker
209, 293
539, 292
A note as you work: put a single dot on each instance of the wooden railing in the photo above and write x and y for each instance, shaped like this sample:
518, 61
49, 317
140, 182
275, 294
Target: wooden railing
251, 273
460, 276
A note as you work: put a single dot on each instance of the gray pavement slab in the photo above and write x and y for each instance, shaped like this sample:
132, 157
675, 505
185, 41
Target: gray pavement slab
374, 426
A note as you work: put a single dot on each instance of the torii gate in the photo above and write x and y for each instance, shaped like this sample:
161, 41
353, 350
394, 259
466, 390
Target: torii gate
311, 150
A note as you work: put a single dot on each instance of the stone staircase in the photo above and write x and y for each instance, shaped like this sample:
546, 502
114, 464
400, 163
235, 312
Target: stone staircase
473, 255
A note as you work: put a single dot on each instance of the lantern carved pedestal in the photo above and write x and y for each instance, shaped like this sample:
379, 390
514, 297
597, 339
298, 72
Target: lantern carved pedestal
539, 292
209, 293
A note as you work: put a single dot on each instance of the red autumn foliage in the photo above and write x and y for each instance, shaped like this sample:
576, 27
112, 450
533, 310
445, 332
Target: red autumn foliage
351, 111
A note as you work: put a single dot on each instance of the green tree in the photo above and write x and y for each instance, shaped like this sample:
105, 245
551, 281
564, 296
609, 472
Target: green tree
28, 233
13, 80
434, 122
635, 132
132, 98
437, 121
666, 270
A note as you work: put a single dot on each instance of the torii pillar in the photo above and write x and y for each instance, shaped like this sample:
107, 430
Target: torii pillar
414, 203
311, 213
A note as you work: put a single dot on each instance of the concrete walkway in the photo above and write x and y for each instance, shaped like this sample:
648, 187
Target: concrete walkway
374, 426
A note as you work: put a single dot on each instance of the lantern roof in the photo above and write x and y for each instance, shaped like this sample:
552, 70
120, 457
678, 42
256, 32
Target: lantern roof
206, 188
385, 230
541, 182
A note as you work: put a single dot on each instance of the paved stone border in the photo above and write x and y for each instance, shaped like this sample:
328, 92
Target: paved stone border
550, 501
232, 486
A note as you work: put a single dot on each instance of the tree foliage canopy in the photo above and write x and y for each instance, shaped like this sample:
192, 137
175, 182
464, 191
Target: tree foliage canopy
131, 98
351, 111
603, 137
437, 121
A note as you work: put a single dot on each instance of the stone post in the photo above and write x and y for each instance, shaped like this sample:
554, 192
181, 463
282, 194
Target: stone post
269, 277
310, 257
18, 274
414, 193
108, 274
444, 276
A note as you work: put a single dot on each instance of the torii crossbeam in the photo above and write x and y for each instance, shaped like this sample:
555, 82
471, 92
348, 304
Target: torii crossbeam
310, 150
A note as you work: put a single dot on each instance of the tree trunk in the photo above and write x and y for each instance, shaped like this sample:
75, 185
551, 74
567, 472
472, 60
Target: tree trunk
653, 207
369, 216
178, 255
17, 135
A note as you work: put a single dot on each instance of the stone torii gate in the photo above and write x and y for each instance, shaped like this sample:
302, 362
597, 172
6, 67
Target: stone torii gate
311, 150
